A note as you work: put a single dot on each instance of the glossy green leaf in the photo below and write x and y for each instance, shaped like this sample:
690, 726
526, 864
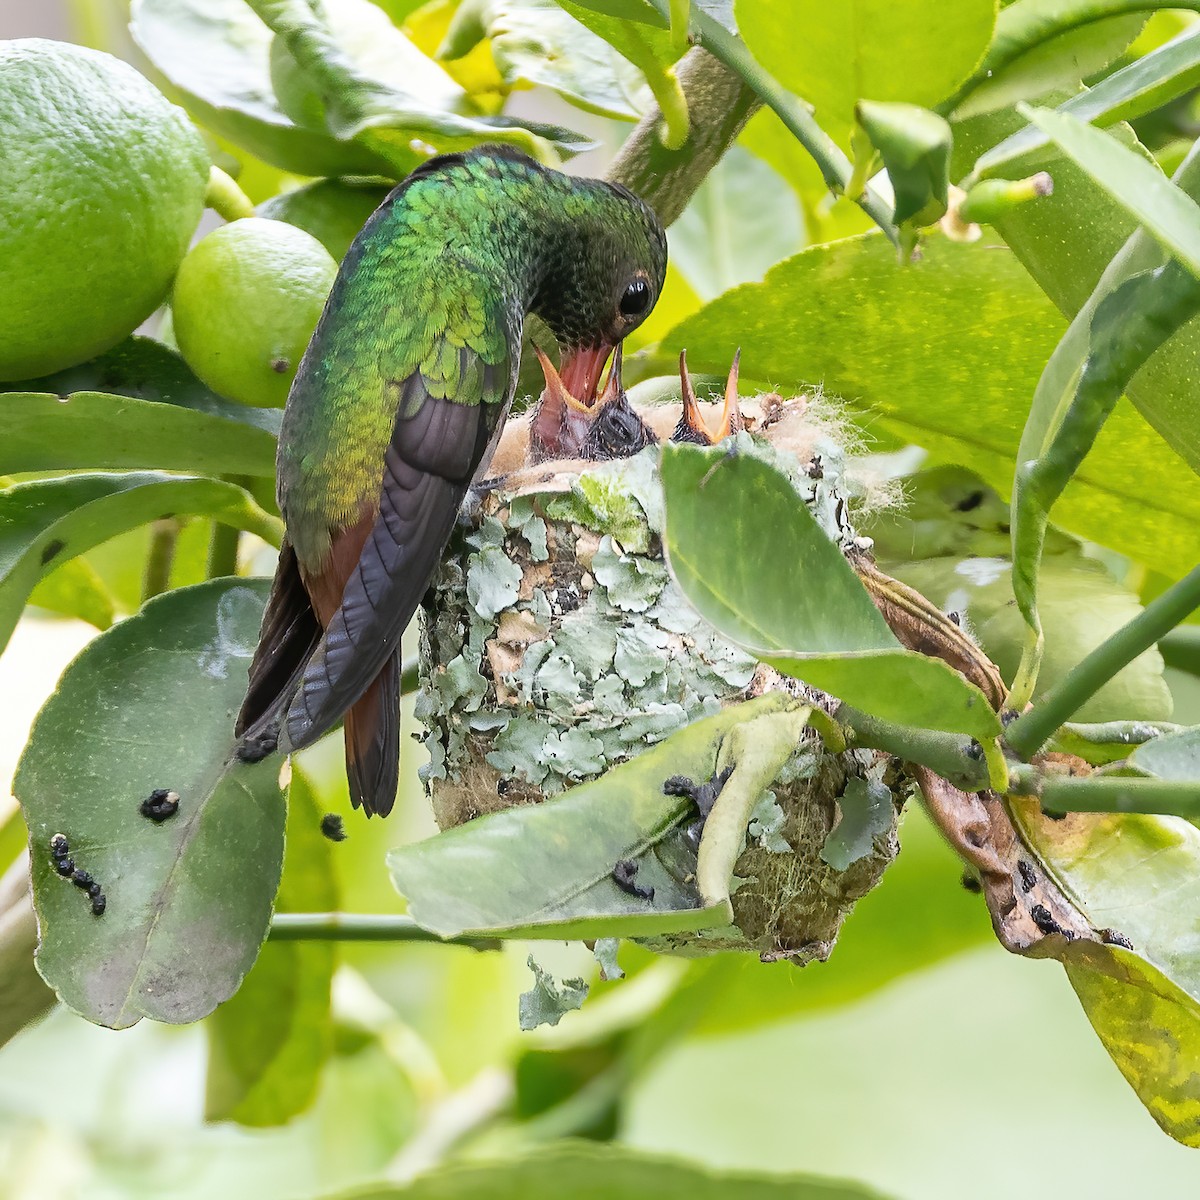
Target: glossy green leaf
835, 55
1168, 213
1146, 83
1040, 45
946, 353
1173, 757
1108, 741
1079, 245
1141, 876
136, 406
468, 880
268, 1044
48, 521
750, 557
591, 1171
150, 705
537, 42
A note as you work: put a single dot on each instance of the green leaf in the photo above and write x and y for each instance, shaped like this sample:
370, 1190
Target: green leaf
835, 55
1040, 45
591, 1171
914, 144
1173, 757
750, 557
467, 880
1167, 212
537, 42
48, 521
1141, 876
1166, 72
267, 1046
653, 52
149, 705
1124, 329
847, 317
76, 590
355, 77
218, 54
136, 406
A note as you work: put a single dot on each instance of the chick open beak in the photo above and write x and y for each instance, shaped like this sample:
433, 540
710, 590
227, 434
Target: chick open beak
693, 426
569, 403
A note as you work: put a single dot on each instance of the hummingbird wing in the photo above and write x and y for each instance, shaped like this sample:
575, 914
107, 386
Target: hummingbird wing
438, 444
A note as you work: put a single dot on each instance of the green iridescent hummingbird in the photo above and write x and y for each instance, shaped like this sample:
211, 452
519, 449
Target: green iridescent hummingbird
397, 405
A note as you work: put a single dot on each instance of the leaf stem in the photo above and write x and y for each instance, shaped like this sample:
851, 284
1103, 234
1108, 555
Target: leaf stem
834, 166
225, 198
361, 927
164, 537
1109, 794
223, 551
1030, 732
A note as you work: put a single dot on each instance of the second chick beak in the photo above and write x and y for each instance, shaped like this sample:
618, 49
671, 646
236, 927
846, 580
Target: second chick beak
692, 425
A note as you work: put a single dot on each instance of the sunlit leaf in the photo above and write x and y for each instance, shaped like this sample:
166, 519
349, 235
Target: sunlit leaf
1167, 212
951, 542
836, 55
150, 705
75, 590
1145, 84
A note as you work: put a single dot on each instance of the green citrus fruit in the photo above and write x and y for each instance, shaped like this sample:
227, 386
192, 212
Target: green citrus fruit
332, 210
247, 299
102, 182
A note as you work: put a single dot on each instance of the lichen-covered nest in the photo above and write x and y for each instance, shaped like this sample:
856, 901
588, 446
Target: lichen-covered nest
555, 645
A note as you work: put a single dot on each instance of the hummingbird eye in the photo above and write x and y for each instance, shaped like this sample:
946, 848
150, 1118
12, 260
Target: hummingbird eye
635, 300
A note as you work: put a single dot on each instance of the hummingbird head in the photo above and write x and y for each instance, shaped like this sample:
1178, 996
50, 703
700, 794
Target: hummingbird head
600, 280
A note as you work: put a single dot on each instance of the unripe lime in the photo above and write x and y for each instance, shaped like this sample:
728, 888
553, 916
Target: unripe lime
247, 299
102, 182
332, 210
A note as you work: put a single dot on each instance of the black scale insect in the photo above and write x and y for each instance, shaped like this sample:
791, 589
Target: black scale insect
63, 864
332, 827
703, 796
160, 805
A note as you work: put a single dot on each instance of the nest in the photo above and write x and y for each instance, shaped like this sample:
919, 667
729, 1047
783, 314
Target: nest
554, 645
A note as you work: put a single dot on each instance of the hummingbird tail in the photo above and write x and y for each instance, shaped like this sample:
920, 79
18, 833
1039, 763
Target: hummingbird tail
290, 634
372, 731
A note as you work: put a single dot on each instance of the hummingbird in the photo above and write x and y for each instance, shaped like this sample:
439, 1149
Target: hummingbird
397, 405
